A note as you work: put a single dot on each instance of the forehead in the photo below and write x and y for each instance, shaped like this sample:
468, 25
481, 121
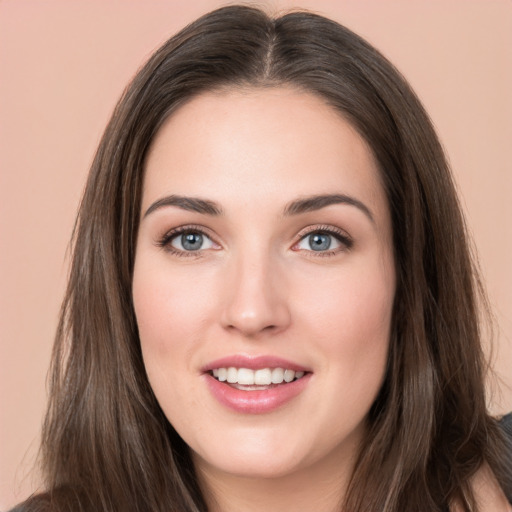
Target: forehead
238, 144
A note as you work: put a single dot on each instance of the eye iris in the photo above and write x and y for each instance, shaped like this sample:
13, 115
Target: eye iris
192, 241
319, 242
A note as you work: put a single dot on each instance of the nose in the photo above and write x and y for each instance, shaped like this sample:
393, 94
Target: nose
255, 299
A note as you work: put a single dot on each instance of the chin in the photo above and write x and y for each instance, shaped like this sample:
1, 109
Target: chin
260, 467
249, 452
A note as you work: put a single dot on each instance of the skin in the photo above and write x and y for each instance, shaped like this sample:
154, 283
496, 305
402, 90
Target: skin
489, 495
256, 287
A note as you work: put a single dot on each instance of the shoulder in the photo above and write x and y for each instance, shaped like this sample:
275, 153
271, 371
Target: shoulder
37, 503
506, 424
57, 500
32, 506
488, 493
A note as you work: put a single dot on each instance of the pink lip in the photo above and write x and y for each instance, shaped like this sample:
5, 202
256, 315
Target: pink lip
255, 402
254, 363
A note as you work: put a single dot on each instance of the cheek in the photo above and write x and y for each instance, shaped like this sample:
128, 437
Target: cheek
352, 310
350, 320
171, 312
169, 307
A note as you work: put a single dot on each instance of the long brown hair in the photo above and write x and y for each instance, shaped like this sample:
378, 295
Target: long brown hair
106, 443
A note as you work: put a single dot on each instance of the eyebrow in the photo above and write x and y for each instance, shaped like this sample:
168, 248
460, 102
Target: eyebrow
312, 203
191, 204
303, 205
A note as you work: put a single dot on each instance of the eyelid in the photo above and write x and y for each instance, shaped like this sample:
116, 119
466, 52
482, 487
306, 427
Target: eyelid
340, 235
165, 240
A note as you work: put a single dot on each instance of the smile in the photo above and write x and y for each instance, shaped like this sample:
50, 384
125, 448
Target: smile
245, 378
255, 385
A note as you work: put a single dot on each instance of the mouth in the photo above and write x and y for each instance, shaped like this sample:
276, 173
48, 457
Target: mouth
256, 385
247, 379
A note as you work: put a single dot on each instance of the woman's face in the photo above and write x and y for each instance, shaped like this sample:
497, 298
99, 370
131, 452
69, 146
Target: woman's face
264, 256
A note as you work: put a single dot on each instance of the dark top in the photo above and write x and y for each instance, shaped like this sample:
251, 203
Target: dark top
506, 425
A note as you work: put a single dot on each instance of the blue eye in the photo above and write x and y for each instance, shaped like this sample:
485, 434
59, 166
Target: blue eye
323, 241
319, 241
189, 241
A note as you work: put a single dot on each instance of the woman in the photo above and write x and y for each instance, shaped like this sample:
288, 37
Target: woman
272, 303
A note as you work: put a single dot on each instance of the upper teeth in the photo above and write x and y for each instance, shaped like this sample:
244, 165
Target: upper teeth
262, 377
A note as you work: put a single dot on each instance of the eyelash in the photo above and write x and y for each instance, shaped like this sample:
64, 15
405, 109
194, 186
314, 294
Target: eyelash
165, 241
339, 235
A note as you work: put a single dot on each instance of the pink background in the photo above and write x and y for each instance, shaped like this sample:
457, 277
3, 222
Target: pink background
63, 64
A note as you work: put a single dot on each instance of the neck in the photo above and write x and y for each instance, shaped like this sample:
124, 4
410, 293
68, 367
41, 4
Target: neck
320, 487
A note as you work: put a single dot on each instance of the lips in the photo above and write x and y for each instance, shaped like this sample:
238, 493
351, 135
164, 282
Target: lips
255, 385
254, 363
